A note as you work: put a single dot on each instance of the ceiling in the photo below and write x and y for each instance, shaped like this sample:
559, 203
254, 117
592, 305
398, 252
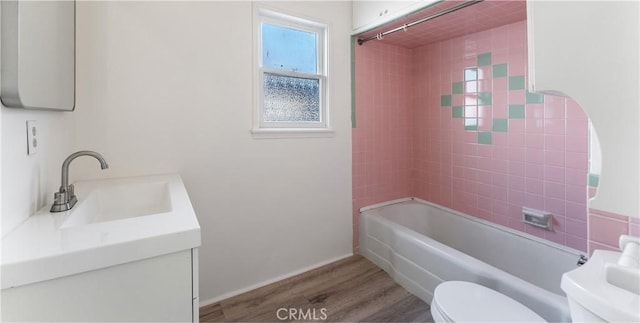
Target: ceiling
475, 18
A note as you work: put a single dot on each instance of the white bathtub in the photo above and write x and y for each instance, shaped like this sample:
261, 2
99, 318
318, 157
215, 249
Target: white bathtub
421, 244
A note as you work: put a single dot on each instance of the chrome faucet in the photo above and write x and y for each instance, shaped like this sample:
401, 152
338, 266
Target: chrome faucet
65, 198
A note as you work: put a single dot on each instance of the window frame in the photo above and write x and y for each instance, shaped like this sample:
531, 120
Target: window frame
262, 128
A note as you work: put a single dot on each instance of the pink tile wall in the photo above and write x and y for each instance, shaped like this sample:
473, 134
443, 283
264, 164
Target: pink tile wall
406, 144
540, 162
382, 137
605, 229
634, 227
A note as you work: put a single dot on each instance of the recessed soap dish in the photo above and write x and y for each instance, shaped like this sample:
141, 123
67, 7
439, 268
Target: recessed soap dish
537, 218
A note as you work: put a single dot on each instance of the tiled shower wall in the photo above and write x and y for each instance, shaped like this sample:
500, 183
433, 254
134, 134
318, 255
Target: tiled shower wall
488, 147
381, 149
475, 140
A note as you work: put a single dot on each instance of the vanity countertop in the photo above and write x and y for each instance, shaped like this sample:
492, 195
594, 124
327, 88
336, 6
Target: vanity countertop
51, 245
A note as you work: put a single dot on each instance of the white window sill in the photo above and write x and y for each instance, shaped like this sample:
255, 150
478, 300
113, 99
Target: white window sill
269, 133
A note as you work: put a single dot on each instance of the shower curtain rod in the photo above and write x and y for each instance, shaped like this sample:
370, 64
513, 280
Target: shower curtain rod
406, 26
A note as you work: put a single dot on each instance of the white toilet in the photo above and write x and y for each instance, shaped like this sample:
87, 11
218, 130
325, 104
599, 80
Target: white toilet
605, 289
460, 301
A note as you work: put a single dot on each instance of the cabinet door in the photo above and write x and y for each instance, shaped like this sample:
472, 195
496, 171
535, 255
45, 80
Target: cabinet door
151, 290
195, 284
370, 14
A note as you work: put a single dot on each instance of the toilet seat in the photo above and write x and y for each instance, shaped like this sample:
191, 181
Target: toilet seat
459, 301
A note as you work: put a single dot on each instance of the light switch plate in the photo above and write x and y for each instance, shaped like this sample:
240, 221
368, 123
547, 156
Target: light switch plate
32, 137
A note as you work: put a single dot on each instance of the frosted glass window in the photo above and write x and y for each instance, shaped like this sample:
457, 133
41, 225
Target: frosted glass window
291, 99
292, 74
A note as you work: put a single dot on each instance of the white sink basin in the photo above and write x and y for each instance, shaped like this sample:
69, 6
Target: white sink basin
119, 201
115, 221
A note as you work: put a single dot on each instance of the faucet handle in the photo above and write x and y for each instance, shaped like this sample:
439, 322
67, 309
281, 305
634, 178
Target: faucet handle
59, 197
63, 201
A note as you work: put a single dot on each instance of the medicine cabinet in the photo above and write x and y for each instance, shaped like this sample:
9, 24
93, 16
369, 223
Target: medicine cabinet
38, 54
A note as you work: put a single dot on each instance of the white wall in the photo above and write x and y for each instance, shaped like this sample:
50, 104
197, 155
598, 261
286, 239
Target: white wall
589, 51
167, 87
28, 182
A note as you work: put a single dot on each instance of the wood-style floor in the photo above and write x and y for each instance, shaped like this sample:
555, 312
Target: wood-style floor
349, 290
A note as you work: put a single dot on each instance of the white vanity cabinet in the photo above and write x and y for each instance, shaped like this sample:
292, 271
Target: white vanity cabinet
371, 14
131, 261
158, 289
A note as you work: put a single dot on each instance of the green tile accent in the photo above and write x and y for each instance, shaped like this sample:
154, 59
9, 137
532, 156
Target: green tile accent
534, 97
516, 82
484, 138
457, 87
457, 112
516, 111
484, 98
470, 124
500, 70
594, 179
484, 59
470, 74
445, 100
500, 125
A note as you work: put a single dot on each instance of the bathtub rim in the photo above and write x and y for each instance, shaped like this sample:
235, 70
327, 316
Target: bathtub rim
521, 234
